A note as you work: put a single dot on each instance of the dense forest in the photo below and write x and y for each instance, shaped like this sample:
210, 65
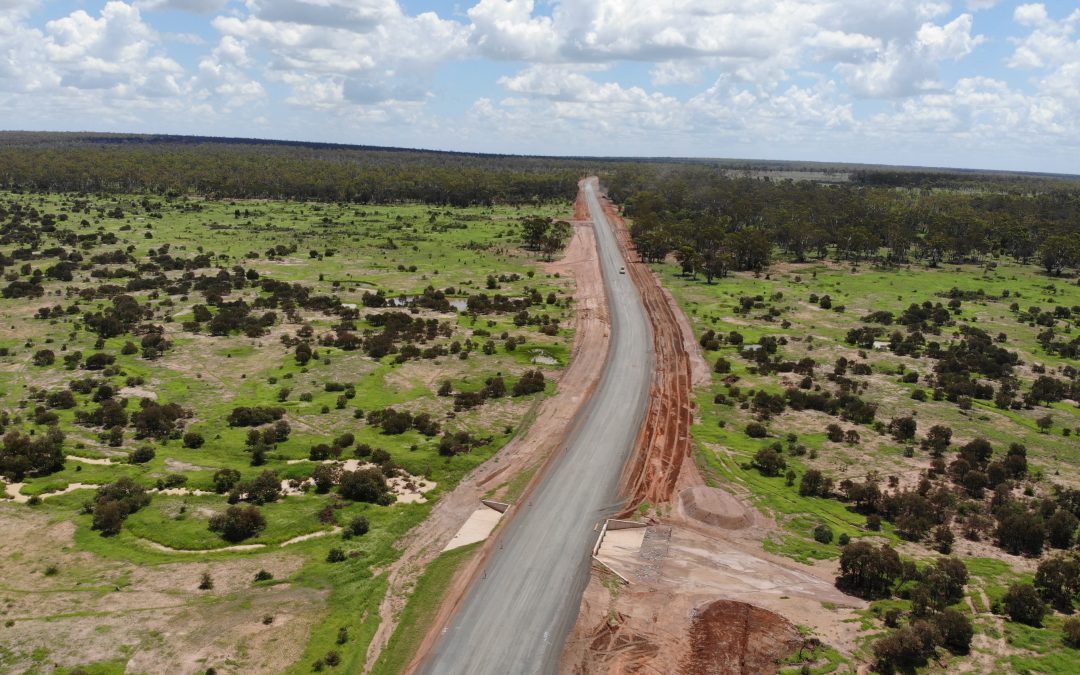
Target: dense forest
239, 168
714, 222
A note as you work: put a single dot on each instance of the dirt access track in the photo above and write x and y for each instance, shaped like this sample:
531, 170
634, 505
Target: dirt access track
694, 592
528, 451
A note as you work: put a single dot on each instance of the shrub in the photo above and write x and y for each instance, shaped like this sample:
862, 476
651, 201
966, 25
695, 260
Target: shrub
530, 383
365, 485
814, 484
1020, 532
904, 649
193, 440
1023, 605
823, 534
358, 526
225, 479
954, 631
263, 575
756, 430
141, 455
769, 462
206, 582
1058, 581
238, 523
254, 416
902, 428
1071, 632
325, 476
868, 572
1061, 529
264, 488
835, 433
108, 518
115, 502
335, 555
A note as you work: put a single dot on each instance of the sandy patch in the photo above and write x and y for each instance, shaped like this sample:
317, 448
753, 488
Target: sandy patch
407, 488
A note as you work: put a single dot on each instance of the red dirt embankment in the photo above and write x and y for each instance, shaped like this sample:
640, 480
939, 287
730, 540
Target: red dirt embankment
652, 474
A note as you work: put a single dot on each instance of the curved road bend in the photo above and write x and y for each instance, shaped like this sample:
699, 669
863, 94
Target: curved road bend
518, 612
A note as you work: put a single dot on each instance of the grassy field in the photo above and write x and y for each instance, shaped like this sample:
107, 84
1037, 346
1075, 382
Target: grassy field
781, 307
312, 607
418, 614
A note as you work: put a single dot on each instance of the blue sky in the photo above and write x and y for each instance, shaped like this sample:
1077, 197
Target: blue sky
969, 83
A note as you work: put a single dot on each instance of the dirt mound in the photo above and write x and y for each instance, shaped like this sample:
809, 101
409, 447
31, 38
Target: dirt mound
649, 632
714, 507
734, 637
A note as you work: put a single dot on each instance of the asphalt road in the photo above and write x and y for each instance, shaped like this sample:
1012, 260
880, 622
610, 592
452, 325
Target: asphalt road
516, 616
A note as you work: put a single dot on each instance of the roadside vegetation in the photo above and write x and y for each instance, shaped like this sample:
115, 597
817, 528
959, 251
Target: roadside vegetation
898, 386
231, 410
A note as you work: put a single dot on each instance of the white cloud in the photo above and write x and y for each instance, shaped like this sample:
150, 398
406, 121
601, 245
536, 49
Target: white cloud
1030, 15
951, 41
789, 72
507, 29
116, 51
223, 73
333, 52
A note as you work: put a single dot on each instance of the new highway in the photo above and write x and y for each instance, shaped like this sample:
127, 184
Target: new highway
518, 612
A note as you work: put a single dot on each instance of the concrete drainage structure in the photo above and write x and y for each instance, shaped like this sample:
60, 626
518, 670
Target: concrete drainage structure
618, 537
479, 525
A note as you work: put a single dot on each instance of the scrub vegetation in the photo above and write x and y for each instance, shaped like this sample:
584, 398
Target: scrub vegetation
224, 412
895, 380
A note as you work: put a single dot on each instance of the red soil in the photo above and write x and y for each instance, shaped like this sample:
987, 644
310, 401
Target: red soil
652, 474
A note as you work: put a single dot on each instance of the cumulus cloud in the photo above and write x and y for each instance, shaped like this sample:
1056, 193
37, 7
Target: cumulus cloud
789, 71
341, 51
116, 50
507, 29
1030, 14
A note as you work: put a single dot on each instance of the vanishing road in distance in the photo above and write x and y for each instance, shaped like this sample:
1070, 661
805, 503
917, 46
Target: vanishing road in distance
518, 612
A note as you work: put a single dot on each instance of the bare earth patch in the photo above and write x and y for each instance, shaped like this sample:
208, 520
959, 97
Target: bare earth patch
153, 616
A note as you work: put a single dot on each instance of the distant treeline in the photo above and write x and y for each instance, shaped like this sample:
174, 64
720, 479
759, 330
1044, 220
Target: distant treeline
963, 179
713, 222
231, 168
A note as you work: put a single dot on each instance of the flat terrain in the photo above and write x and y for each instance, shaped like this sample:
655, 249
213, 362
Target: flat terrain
76, 598
518, 612
785, 305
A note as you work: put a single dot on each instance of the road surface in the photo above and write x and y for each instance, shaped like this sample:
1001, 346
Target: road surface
518, 612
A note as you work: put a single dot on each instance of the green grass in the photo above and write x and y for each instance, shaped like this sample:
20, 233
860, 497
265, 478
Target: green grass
446, 247
420, 611
1046, 653
725, 450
